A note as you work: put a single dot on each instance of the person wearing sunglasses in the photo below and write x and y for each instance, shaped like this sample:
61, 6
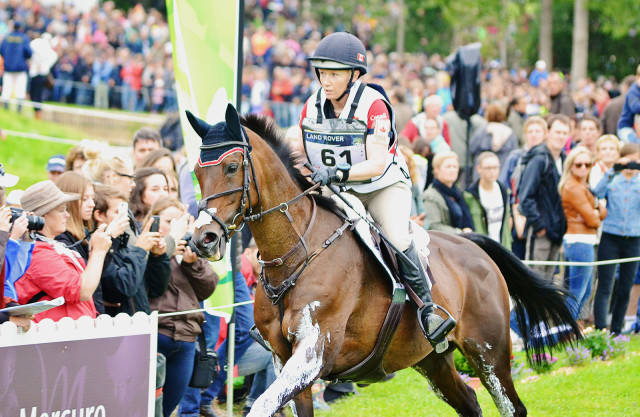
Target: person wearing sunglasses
584, 214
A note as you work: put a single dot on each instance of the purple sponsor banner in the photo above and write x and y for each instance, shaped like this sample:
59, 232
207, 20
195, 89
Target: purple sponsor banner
79, 378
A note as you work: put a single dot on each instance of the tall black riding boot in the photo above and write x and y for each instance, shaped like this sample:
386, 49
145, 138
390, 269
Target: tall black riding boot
433, 326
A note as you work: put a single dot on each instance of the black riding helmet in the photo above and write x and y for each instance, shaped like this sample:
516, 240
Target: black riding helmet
340, 50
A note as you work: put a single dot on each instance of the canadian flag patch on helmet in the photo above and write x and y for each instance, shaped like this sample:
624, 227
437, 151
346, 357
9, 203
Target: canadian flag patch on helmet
360, 57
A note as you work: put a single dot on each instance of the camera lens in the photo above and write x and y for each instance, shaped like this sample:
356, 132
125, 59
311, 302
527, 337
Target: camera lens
34, 223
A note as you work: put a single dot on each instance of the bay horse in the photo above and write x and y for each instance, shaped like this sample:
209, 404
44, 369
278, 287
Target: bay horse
328, 319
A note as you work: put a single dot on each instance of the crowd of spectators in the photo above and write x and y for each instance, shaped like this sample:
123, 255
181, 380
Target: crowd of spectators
549, 168
104, 57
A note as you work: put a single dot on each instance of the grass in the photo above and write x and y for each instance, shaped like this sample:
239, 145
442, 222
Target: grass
28, 158
598, 389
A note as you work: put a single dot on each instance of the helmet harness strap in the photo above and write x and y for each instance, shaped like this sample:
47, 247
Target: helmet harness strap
348, 86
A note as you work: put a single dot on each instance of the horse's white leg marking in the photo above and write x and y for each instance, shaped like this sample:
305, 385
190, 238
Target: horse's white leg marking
300, 370
505, 407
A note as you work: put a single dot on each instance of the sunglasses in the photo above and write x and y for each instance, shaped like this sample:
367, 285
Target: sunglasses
583, 165
126, 175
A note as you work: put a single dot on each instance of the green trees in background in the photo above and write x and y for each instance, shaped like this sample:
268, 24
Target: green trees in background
512, 31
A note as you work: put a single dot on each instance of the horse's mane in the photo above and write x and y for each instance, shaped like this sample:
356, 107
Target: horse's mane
268, 131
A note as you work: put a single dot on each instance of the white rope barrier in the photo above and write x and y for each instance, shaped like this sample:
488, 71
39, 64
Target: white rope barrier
42, 138
207, 309
595, 263
119, 116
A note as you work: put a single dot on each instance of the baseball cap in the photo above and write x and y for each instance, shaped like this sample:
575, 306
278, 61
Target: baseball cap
56, 163
7, 180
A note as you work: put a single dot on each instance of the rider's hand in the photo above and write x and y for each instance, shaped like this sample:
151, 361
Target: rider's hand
325, 176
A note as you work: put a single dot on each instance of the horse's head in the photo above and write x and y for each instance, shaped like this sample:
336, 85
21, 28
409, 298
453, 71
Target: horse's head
223, 173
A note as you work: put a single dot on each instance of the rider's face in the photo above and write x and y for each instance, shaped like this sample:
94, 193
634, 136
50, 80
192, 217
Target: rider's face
334, 82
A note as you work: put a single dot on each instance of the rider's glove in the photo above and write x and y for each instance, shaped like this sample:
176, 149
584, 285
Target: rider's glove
325, 176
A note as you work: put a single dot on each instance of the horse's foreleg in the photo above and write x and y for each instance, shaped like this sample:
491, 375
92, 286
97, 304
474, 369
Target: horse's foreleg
298, 373
302, 405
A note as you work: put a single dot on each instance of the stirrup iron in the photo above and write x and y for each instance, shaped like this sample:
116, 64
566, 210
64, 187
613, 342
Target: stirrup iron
438, 329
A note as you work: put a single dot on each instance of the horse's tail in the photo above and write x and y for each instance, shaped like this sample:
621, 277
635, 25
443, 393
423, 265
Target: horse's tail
541, 311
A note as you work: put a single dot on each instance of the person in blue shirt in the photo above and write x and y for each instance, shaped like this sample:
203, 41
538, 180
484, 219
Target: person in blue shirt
620, 237
539, 73
631, 109
15, 51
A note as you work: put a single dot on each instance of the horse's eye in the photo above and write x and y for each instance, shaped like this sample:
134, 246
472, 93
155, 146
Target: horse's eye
231, 168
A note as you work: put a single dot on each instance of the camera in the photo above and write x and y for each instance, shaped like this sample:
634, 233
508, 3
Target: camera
630, 165
192, 245
35, 222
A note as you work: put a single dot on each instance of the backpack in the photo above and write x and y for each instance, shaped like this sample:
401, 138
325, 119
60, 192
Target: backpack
516, 176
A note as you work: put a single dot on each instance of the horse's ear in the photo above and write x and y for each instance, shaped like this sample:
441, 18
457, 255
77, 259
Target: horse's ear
200, 126
233, 121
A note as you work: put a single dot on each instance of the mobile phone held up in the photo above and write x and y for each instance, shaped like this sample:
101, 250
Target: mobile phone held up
123, 209
155, 225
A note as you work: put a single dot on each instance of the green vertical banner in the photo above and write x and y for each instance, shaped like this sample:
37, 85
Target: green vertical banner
206, 36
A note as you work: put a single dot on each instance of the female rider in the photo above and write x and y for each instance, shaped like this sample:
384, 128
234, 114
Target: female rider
349, 137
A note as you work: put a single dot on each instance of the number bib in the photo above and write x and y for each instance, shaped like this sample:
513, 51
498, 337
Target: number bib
334, 141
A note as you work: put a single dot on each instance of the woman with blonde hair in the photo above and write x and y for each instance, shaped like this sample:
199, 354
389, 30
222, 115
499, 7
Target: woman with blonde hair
445, 206
584, 214
108, 169
607, 153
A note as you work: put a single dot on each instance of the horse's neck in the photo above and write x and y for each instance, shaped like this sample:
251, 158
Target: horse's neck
274, 234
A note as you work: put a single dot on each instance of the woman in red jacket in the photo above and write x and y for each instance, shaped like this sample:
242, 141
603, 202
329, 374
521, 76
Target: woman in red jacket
55, 270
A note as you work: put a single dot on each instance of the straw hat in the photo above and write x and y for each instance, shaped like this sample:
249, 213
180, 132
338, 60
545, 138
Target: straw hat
43, 197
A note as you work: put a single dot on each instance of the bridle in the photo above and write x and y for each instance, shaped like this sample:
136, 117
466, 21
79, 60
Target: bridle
246, 213
249, 173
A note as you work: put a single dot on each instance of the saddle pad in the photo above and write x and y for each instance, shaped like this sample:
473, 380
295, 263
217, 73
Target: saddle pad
363, 231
